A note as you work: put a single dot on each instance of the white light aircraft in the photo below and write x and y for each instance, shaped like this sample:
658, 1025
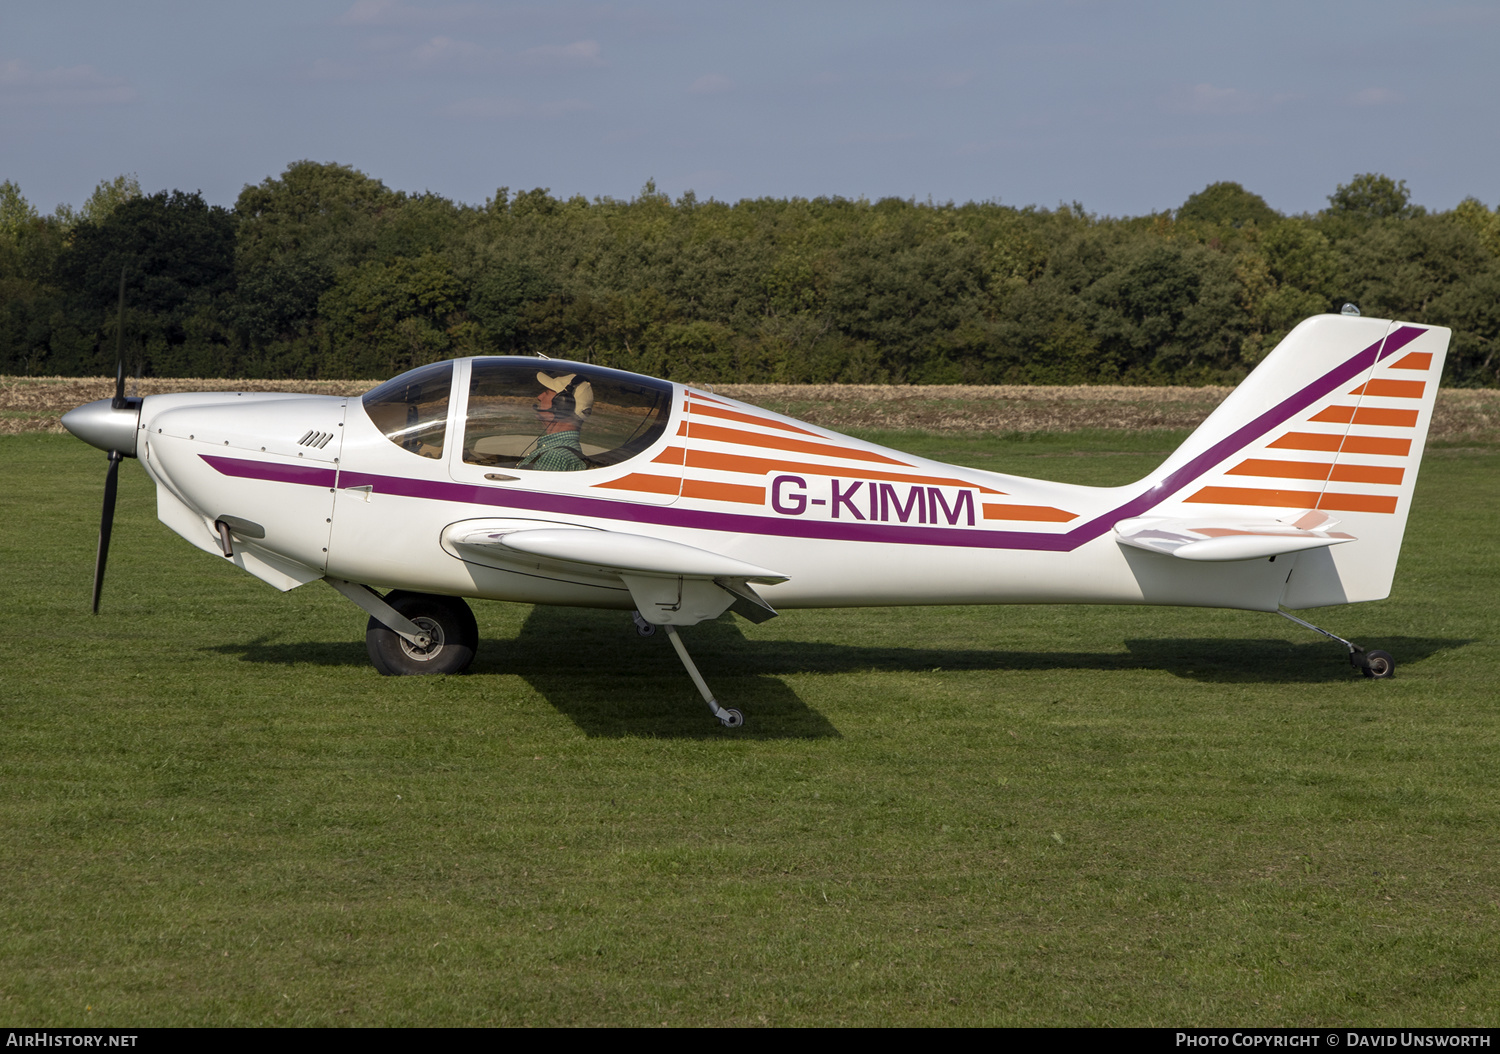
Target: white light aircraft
549, 482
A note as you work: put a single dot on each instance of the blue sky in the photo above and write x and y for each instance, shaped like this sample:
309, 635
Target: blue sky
1126, 108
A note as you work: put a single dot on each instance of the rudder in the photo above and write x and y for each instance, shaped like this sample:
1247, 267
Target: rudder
1333, 421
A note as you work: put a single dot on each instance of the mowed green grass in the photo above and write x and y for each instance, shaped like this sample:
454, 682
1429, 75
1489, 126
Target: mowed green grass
214, 812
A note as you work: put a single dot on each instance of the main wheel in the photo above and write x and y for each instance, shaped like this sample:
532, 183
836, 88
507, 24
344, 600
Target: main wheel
1378, 664
447, 620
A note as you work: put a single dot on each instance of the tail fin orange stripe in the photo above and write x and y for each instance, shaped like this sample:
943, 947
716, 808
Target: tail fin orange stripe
1414, 360
1377, 445
1357, 503
1291, 499
1329, 441
1367, 474
1281, 469
1393, 389
1366, 415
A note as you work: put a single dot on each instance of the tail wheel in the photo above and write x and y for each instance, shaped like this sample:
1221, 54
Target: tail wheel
448, 620
1378, 664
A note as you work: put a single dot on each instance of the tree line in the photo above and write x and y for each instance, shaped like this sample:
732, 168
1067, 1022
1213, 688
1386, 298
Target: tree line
325, 272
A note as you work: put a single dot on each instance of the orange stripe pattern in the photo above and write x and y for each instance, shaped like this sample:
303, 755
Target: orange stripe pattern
1393, 389
1291, 499
759, 466
1333, 443
802, 446
1032, 513
690, 457
1354, 439
743, 418
1366, 415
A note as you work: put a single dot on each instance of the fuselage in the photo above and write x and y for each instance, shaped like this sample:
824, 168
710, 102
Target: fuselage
375, 491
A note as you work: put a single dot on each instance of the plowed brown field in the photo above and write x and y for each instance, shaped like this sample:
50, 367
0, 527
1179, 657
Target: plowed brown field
34, 404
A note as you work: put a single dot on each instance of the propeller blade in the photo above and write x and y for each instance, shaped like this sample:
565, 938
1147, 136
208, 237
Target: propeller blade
106, 523
119, 367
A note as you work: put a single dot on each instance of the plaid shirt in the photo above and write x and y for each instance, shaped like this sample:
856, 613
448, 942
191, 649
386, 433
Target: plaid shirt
558, 452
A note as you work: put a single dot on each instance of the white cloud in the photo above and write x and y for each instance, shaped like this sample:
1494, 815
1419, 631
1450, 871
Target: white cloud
710, 84
1218, 102
63, 86
1374, 97
578, 53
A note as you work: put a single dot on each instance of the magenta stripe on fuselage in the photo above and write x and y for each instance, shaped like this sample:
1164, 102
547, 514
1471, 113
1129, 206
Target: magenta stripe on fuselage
743, 523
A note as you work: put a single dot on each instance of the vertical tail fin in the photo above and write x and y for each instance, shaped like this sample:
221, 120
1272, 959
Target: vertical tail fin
1334, 420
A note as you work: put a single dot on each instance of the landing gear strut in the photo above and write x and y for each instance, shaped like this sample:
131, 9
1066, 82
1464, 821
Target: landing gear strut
1373, 663
414, 633
729, 718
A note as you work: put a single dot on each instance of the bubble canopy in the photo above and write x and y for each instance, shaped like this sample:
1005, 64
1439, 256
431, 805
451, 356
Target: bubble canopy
510, 410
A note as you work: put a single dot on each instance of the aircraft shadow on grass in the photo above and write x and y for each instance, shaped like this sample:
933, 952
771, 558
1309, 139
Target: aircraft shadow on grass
594, 669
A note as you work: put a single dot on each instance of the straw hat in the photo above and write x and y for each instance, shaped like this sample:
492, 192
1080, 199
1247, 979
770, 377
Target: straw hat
583, 391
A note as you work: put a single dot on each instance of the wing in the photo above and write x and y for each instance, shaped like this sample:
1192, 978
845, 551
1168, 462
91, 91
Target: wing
671, 583
1219, 539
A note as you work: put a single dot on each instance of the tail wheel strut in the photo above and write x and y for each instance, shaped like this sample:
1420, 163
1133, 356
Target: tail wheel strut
1373, 663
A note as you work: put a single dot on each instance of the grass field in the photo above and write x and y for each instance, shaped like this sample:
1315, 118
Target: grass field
214, 812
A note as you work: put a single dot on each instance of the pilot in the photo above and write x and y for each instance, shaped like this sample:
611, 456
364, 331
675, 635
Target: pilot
563, 405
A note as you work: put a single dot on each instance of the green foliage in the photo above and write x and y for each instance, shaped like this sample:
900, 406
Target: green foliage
177, 256
1371, 196
16, 213
384, 318
109, 195
335, 274
1228, 204
1472, 213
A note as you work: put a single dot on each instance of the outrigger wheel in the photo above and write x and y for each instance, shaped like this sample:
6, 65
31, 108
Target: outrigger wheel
1372, 663
455, 636
1378, 664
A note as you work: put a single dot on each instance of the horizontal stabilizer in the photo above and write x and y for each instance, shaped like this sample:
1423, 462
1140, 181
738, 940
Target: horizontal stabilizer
1218, 539
613, 551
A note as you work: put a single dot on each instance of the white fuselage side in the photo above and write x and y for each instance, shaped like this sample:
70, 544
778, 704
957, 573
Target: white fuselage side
312, 487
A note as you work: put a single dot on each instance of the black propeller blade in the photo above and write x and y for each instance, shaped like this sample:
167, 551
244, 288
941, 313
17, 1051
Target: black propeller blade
112, 477
106, 523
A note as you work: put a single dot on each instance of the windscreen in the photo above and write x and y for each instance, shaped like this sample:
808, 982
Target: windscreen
412, 409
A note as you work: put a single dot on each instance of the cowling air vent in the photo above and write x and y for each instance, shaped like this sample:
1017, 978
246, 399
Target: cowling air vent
315, 439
